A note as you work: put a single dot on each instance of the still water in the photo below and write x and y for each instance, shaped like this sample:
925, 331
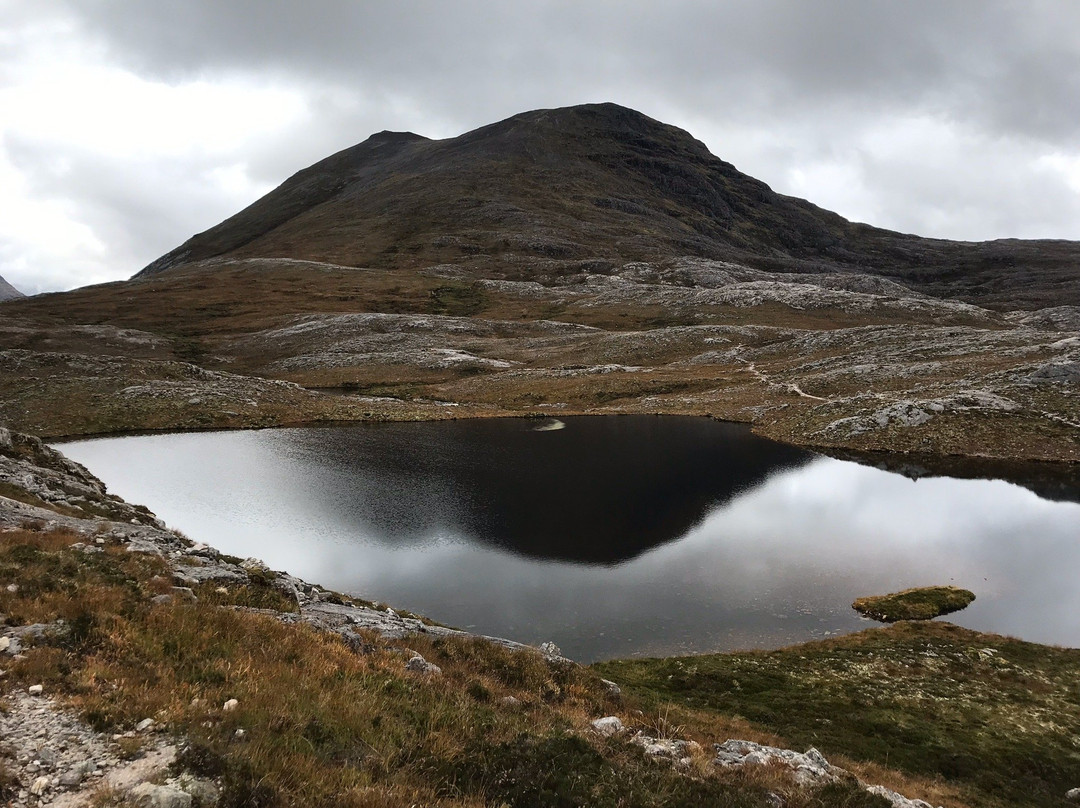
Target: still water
612, 536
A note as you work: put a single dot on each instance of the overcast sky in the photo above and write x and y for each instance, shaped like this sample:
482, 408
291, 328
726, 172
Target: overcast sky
126, 126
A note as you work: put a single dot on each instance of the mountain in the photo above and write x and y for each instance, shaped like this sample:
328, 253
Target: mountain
9, 292
603, 183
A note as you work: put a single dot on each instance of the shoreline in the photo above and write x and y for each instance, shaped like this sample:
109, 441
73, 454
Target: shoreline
685, 632
840, 452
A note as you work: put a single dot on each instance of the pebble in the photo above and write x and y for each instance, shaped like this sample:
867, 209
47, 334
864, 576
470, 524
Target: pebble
35, 690
230, 705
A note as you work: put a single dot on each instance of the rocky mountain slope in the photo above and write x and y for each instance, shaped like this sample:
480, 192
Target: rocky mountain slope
579, 260
8, 292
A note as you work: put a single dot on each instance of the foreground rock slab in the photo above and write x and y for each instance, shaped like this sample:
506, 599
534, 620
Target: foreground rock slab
808, 768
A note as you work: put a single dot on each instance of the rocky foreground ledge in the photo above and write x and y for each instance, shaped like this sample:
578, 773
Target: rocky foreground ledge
52, 753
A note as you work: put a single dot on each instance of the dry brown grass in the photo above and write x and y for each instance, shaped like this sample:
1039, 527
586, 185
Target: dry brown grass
324, 725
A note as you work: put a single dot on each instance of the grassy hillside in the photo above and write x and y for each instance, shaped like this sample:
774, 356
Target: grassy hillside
997, 717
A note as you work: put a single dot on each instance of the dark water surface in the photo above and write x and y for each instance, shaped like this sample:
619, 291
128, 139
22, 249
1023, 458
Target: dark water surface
612, 536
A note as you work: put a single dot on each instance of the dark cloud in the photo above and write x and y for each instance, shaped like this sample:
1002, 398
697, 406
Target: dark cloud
1009, 65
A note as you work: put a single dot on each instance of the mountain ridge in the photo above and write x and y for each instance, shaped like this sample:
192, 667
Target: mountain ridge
596, 181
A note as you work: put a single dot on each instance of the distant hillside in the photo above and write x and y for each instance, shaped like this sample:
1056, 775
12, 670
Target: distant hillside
607, 184
8, 292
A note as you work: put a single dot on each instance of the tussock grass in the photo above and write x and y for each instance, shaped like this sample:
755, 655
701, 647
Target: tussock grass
254, 595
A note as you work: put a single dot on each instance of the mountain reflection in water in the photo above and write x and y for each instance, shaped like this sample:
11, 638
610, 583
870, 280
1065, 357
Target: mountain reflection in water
613, 536
601, 492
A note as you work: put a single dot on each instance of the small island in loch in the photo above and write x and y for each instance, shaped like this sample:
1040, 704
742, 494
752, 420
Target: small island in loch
919, 603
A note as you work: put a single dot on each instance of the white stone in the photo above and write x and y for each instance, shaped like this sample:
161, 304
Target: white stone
609, 725
420, 665
35, 690
230, 705
897, 800
612, 688
202, 790
808, 769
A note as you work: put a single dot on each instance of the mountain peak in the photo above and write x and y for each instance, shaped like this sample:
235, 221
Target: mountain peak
597, 122
9, 292
599, 178
387, 136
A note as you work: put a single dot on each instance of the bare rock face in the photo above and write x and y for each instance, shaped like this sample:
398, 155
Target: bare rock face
46, 477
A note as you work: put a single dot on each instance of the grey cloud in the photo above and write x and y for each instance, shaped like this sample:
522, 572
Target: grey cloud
774, 86
137, 209
938, 195
1014, 67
